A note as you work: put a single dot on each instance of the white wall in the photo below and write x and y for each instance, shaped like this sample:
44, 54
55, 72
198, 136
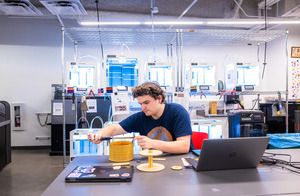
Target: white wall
30, 61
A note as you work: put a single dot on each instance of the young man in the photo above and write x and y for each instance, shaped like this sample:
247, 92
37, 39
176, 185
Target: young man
162, 126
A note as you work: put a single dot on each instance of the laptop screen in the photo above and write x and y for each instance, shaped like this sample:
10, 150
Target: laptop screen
231, 153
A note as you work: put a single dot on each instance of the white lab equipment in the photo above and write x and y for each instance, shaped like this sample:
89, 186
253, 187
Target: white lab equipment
163, 73
120, 103
83, 75
121, 71
242, 74
80, 146
203, 74
214, 128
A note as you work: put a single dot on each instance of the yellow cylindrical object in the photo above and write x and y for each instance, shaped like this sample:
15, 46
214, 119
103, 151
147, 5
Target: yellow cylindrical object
150, 161
213, 107
121, 151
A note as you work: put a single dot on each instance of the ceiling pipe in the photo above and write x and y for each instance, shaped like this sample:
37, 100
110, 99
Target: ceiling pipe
184, 12
236, 9
269, 3
153, 40
287, 14
244, 11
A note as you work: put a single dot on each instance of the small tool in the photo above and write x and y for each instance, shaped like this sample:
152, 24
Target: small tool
186, 163
121, 164
159, 159
202, 94
73, 101
111, 137
91, 93
84, 106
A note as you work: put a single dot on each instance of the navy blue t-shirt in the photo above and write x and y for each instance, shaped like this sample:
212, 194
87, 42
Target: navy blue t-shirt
174, 122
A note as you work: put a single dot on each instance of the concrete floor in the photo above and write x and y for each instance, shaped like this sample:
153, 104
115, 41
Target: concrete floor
30, 172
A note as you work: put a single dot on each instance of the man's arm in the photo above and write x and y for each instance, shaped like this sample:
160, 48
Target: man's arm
181, 145
111, 130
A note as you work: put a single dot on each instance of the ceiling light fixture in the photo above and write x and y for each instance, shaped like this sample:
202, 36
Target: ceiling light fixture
87, 23
234, 22
19, 8
66, 7
174, 23
285, 22
205, 22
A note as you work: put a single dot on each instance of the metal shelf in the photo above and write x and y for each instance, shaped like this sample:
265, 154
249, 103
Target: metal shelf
139, 37
238, 93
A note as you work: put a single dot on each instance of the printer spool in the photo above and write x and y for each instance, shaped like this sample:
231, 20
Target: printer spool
121, 151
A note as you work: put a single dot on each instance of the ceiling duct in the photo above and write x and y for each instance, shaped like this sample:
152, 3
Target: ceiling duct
19, 8
67, 7
267, 3
295, 12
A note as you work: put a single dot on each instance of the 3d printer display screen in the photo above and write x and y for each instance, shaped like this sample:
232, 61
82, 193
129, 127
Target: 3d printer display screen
203, 75
248, 75
82, 76
161, 74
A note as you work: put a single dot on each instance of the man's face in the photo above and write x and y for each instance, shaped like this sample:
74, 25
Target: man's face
150, 106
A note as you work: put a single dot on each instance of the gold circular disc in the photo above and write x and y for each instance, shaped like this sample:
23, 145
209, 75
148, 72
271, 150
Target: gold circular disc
177, 168
150, 152
145, 167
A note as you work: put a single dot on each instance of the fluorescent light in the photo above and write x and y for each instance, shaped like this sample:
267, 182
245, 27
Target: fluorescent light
174, 23
234, 22
285, 22
215, 22
86, 23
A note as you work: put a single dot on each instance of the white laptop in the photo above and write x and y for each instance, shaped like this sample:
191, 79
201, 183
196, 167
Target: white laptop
231, 153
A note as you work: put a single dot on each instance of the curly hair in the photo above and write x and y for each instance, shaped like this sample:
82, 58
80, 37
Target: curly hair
149, 88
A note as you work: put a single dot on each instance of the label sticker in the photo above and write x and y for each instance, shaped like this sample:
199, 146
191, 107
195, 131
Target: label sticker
113, 175
89, 176
117, 167
74, 175
125, 174
87, 170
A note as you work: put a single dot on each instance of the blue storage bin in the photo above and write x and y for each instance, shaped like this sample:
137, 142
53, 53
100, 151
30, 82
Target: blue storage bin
286, 140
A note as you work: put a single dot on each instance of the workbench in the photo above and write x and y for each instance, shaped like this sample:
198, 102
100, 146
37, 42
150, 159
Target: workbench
265, 180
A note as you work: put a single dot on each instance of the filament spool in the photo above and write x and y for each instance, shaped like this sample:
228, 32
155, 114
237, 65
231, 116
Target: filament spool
150, 166
120, 151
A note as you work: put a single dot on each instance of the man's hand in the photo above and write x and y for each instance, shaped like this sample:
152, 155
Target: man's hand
144, 142
94, 137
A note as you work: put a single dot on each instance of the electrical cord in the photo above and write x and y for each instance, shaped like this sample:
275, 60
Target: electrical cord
99, 31
288, 165
46, 120
256, 100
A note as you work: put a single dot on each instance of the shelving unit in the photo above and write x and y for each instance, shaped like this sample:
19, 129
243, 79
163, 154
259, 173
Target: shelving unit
164, 37
144, 37
239, 93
